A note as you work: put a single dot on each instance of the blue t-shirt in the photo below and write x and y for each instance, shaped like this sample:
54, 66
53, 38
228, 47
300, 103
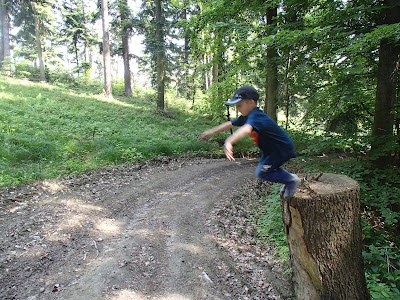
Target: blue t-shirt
274, 142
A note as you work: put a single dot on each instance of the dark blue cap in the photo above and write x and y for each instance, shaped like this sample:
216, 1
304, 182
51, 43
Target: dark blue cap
244, 93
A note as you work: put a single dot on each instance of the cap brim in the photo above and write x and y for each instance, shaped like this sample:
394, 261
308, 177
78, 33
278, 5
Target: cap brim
234, 100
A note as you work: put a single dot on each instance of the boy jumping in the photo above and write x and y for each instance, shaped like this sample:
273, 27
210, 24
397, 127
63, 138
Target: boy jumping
275, 143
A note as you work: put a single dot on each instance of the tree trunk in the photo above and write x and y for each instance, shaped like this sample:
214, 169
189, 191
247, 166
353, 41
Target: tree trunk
5, 52
160, 55
206, 73
77, 57
127, 68
388, 66
323, 231
285, 92
124, 11
38, 42
106, 49
88, 61
271, 86
218, 58
88, 52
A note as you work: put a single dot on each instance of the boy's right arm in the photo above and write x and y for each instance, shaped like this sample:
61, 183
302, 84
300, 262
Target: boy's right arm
223, 127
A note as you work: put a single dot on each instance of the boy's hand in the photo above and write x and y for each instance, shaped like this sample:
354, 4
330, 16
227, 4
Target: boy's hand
206, 135
228, 148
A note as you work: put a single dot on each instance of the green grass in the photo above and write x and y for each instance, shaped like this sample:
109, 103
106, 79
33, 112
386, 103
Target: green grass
269, 225
48, 131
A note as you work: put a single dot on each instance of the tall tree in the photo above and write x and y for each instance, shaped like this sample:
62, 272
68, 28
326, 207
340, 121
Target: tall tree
106, 49
152, 24
387, 82
36, 20
160, 53
76, 32
271, 84
126, 28
4, 32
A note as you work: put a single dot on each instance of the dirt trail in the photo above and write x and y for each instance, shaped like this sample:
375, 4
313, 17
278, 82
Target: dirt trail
164, 230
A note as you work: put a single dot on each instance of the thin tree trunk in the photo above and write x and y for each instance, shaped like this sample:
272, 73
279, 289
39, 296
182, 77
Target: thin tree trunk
123, 7
160, 55
88, 54
323, 230
285, 92
5, 53
127, 68
106, 49
2, 21
38, 43
271, 86
217, 59
206, 76
77, 58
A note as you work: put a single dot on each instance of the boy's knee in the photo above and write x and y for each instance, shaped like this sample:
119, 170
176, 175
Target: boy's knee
262, 171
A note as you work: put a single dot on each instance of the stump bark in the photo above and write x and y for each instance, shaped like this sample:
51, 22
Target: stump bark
323, 231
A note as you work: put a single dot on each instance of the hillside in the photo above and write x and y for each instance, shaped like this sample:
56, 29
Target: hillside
48, 131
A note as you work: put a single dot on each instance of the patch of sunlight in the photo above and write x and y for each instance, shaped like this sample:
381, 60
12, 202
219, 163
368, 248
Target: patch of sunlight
129, 295
9, 96
112, 101
20, 205
78, 205
72, 222
174, 297
190, 247
58, 236
109, 227
52, 186
74, 214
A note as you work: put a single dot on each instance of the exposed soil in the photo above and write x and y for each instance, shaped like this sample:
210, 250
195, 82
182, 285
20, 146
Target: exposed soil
167, 229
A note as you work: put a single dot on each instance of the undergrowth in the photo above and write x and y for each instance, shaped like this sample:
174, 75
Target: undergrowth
269, 225
380, 200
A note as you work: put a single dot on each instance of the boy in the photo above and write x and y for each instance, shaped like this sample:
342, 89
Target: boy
276, 145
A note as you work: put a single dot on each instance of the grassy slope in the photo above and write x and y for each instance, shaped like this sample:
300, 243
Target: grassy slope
48, 131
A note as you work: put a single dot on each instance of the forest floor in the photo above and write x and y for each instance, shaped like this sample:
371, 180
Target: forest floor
171, 228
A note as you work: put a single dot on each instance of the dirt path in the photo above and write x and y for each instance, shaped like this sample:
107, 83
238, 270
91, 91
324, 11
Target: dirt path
168, 229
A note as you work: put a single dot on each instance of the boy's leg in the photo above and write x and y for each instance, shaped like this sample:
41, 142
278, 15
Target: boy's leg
279, 175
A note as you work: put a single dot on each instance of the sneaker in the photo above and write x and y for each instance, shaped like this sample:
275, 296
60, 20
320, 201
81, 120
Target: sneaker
283, 187
291, 187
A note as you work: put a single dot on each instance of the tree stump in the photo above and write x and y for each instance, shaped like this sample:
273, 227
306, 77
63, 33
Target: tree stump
323, 231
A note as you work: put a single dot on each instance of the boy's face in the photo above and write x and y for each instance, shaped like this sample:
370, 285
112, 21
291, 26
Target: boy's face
245, 106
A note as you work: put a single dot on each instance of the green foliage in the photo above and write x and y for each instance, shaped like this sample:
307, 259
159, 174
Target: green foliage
269, 224
382, 270
25, 70
328, 53
313, 143
380, 199
50, 131
75, 31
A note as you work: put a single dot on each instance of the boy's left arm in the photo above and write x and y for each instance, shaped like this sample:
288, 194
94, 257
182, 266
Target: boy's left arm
234, 138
